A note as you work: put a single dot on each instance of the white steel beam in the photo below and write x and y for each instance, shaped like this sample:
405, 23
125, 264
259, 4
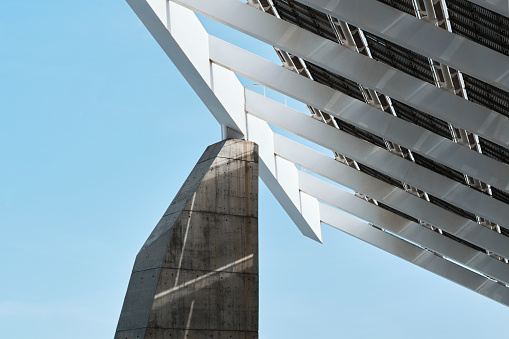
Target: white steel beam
364, 116
406, 229
281, 177
421, 37
396, 198
383, 161
414, 254
170, 25
379, 159
221, 92
359, 114
354, 66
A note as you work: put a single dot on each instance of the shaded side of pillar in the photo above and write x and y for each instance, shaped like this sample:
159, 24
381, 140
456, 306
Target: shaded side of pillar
196, 276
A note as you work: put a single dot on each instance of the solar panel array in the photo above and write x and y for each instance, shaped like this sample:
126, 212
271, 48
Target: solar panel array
479, 24
416, 124
466, 19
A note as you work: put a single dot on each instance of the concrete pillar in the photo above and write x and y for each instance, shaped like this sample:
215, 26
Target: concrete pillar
196, 276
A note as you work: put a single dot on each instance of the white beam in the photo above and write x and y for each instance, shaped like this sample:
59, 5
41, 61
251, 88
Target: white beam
281, 177
414, 254
191, 59
382, 160
396, 130
172, 26
354, 66
421, 37
406, 229
394, 197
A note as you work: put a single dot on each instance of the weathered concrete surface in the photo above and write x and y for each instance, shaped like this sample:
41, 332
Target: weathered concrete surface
196, 276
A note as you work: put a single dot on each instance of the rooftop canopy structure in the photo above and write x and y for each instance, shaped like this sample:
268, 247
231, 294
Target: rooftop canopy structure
410, 96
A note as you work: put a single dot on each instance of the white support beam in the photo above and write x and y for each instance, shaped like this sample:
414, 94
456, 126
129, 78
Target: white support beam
170, 25
354, 66
222, 93
206, 67
281, 177
422, 37
406, 229
394, 197
414, 254
380, 159
396, 130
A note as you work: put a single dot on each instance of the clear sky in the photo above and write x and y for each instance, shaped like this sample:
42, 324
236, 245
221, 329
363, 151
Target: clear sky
98, 130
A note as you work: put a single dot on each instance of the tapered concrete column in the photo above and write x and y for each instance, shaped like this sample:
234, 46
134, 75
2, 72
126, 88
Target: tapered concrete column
197, 274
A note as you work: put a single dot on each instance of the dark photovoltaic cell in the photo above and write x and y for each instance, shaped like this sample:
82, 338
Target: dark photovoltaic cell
380, 176
434, 200
305, 17
494, 151
479, 24
422, 119
401, 214
360, 133
454, 175
464, 242
413, 64
400, 58
439, 168
500, 195
504, 231
335, 81
487, 95
452, 208
403, 5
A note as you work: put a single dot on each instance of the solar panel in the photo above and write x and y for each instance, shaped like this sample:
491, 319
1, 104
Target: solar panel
408, 62
335, 81
395, 211
457, 248
403, 5
452, 208
500, 195
439, 168
486, 95
360, 133
494, 151
422, 119
479, 24
305, 17
400, 58
380, 176
466, 243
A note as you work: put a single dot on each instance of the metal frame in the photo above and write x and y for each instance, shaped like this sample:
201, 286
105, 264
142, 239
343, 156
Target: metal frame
421, 37
472, 255
376, 157
359, 114
349, 64
414, 254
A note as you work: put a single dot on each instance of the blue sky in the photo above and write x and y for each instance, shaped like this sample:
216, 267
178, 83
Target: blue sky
98, 130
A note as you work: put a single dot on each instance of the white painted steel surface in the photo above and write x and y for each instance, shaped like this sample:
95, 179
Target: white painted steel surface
219, 89
208, 64
390, 195
170, 29
414, 254
354, 66
421, 37
378, 158
409, 230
